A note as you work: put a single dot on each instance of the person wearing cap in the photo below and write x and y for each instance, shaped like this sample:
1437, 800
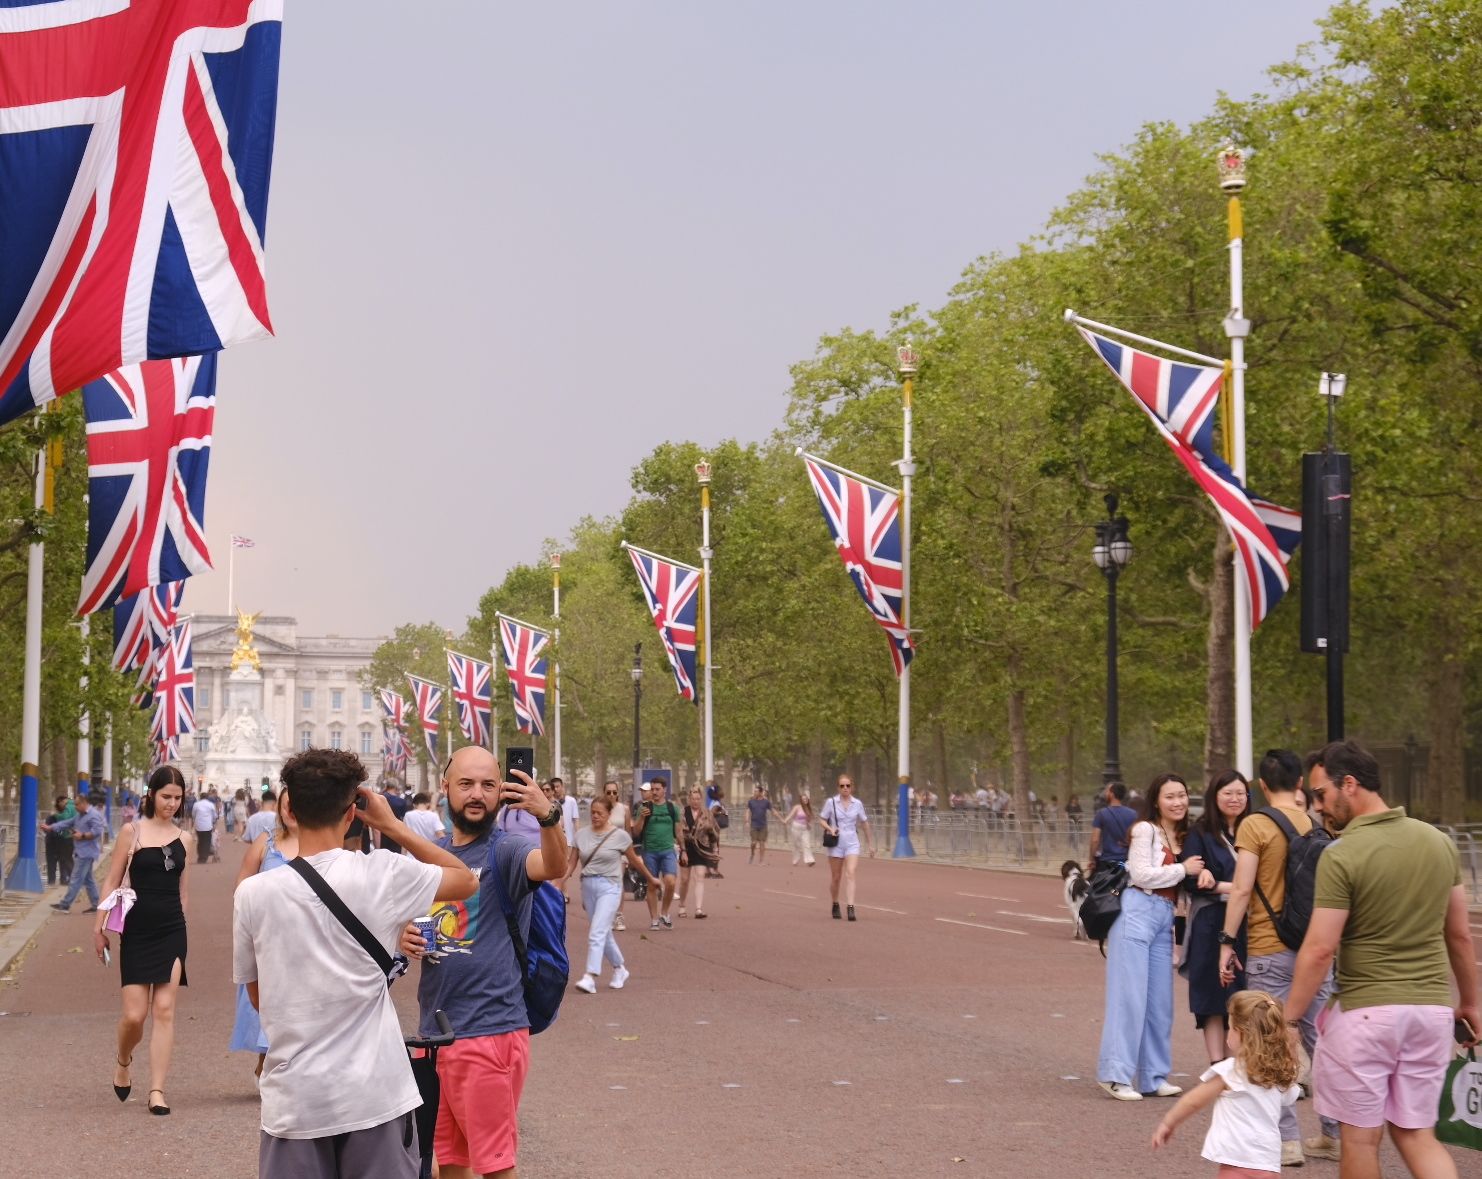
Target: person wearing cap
656, 831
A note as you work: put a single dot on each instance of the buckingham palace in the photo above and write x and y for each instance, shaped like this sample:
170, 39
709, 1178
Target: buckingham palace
310, 695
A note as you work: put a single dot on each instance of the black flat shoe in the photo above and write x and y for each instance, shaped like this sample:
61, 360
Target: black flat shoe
851, 913
836, 911
122, 1091
160, 1110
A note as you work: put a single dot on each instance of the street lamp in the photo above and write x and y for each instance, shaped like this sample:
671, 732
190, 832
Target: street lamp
637, 698
1112, 552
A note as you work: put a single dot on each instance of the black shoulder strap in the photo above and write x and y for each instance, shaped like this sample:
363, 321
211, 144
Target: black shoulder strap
1284, 825
342, 913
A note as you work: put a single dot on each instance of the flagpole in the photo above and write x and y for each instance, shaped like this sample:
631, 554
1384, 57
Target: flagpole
555, 669
906, 360
84, 724
702, 472
1237, 327
25, 873
494, 695
108, 779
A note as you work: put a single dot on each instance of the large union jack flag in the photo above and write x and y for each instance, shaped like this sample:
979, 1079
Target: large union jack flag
148, 449
174, 686
429, 700
136, 143
526, 665
165, 752
142, 624
672, 592
865, 521
394, 705
1180, 399
473, 693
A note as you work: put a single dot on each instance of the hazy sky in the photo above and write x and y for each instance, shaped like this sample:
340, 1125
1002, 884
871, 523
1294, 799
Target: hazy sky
513, 247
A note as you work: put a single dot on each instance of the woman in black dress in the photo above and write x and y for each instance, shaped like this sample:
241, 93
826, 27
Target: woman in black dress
151, 950
702, 852
1226, 803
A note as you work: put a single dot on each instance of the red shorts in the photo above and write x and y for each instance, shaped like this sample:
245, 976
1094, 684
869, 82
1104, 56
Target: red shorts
478, 1111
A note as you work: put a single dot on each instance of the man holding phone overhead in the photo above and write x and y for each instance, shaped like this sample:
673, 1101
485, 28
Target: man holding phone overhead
477, 979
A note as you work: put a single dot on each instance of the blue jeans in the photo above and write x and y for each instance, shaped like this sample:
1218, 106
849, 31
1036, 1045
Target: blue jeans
600, 896
1137, 1034
82, 877
1272, 973
662, 863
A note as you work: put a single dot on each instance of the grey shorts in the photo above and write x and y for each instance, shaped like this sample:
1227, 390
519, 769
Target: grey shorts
758, 835
387, 1151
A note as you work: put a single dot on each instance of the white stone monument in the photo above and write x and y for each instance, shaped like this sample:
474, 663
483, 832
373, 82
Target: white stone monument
243, 742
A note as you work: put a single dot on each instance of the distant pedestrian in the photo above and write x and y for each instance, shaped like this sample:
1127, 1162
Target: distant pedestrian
265, 820
272, 849
701, 851
1212, 838
203, 820
1073, 812
151, 950
399, 807
619, 815
656, 831
598, 856
759, 809
1390, 906
422, 819
1248, 1090
1110, 827
842, 816
1137, 1032
86, 832
59, 848
236, 813
799, 824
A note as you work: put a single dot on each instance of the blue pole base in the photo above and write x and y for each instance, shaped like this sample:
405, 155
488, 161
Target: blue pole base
25, 876
903, 849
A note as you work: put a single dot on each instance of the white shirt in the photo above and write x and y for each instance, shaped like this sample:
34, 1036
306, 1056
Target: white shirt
203, 814
1145, 867
843, 816
570, 817
425, 823
336, 1062
1245, 1129
618, 816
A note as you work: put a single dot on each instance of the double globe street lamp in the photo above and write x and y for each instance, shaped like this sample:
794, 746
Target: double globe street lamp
1112, 552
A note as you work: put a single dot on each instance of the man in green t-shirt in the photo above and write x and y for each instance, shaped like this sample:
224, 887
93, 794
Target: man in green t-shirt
1390, 906
656, 831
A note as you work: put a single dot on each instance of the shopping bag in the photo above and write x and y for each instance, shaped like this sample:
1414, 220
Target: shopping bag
1460, 1118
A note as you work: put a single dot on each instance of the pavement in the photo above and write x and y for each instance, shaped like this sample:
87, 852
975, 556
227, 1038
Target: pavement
952, 1030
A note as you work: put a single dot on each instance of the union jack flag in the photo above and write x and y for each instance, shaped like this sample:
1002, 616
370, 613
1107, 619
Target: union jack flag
473, 693
429, 698
148, 448
1180, 399
526, 664
394, 705
136, 143
672, 592
131, 646
865, 521
165, 752
174, 686
142, 624
396, 751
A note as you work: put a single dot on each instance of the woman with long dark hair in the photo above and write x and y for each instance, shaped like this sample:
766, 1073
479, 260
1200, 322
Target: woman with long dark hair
701, 851
151, 951
1137, 1033
1212, 838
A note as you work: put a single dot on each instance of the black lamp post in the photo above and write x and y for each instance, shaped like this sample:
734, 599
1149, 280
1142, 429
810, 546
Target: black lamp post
1112, 552
637, 698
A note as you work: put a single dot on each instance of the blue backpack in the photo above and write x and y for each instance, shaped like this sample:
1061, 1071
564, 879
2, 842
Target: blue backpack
544, 965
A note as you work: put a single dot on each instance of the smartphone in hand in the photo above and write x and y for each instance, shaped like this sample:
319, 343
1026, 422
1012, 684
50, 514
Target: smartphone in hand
1463, 1032
518, 758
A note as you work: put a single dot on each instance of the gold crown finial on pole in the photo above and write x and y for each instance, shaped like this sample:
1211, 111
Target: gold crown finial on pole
906, 359
1231, 163
702, 471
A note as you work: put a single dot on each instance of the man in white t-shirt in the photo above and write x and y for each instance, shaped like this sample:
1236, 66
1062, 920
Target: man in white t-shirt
423, 819
203, 819
337, 1068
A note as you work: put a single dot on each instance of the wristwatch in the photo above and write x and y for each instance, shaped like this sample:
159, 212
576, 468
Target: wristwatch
1225, 939
553, 816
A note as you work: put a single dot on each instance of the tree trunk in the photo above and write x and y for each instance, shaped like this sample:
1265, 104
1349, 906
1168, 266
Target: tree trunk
1446, 788
1067, 763
1019, 749
944, 779
1219, 700
815, 782
599, 767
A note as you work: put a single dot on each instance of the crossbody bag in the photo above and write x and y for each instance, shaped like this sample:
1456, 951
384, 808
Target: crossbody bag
390, 966
831, 838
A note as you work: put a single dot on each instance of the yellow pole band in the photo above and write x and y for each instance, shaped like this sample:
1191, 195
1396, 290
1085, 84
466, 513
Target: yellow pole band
1237, 221
1227, 420
906, 390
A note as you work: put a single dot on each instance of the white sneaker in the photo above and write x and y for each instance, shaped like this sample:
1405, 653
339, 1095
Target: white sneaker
619, 977
1168, 1089
1120, 1091
587, 984
618, 924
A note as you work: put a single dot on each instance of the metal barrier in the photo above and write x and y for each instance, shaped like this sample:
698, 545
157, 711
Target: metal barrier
5, 841
1467, 850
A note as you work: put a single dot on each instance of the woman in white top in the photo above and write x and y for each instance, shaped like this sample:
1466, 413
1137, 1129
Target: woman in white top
1137, 1033
842, 816
599, 852
799, 824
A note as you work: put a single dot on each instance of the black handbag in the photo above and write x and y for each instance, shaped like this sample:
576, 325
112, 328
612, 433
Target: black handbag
831, 838
1103, 901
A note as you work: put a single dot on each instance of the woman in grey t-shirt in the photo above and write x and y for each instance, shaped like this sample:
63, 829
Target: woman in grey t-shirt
599, 853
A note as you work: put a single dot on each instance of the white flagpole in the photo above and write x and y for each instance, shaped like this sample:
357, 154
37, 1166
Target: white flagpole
25, 873
494, 695
906, 360
1072, 317
1237, 327
702, 472
555, 672
84, 724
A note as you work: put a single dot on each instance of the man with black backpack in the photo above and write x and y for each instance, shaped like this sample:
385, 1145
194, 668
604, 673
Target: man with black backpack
479, 976
1276, 855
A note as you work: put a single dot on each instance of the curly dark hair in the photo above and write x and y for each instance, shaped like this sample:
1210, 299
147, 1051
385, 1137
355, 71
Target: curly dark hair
321, 784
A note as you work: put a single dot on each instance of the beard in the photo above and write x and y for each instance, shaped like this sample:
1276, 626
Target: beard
474, 827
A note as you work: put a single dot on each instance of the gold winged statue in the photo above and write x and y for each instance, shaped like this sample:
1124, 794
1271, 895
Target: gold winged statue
245, 651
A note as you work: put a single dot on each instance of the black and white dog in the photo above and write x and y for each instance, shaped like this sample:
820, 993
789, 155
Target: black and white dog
1075, 892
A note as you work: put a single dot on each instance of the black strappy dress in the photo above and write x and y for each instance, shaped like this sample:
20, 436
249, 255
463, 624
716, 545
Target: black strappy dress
154, 933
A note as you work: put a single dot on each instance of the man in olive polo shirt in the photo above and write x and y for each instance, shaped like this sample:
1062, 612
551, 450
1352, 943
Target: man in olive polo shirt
1260, 861
1390, 906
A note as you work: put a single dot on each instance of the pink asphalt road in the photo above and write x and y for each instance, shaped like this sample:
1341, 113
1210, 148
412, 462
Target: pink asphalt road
952, 1030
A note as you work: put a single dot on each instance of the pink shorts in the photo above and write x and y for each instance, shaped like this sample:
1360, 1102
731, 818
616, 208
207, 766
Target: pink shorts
1382, 1064
478, 1112
1229, 1171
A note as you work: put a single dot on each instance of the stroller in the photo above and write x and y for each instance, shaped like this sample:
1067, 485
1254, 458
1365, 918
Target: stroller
423, 1053
637, 886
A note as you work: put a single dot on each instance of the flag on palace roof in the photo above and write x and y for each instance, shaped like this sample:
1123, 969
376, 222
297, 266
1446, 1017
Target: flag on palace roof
864, 519
525, 665
148, 450
473, 693
1180, 399
174, 686
429, 700
243, 542
136, 143
672, 592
